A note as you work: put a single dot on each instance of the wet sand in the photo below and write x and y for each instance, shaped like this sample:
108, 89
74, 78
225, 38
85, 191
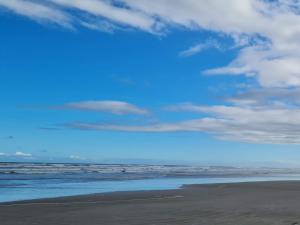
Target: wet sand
258, 203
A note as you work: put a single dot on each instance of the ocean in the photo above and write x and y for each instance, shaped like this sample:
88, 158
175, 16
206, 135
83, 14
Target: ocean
25, 181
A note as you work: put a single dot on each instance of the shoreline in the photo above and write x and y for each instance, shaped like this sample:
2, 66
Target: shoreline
112, 193
245, 203
184, 183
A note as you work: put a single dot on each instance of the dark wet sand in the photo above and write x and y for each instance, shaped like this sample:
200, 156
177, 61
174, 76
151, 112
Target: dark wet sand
261, 203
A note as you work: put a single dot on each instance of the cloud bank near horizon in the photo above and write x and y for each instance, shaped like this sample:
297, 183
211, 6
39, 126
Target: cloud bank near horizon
16, 154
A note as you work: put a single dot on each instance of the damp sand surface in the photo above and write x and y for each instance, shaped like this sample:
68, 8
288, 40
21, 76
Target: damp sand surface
253, 203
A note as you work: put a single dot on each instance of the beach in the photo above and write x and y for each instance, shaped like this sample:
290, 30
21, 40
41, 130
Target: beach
261, 203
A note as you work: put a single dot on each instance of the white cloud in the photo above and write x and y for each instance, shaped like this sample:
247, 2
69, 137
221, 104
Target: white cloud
92, 14
190, 125
109, 11
268, 96
16, 154
103, 26
192, 50
240, 123
272, 28
22, 154
267, 31
115, 107
271, 69
38, 12
199, 47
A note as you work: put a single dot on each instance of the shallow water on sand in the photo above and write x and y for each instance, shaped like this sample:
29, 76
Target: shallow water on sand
25, 189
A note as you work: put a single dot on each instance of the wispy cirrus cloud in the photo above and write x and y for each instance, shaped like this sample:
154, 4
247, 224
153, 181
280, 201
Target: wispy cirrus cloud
257, 124
114, 107
40, 12
289, 97
109, 11
92, 14
258, 116
267, 32
195, 49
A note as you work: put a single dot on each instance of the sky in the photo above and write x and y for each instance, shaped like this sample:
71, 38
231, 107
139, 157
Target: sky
160, 81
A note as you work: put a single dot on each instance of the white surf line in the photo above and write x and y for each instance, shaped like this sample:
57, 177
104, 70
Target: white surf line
90, 202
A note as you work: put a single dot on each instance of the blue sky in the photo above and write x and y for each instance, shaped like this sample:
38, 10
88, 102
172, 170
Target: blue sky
150, 81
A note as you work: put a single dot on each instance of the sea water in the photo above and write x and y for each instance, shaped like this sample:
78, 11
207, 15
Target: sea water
34, 184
